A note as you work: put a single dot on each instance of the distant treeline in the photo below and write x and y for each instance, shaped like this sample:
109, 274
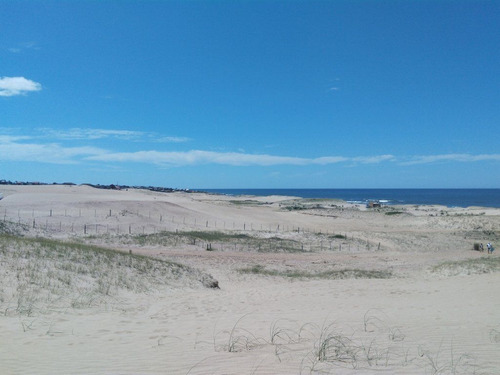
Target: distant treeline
97, 186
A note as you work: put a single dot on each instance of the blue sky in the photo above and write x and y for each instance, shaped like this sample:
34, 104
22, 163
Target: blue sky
251, 94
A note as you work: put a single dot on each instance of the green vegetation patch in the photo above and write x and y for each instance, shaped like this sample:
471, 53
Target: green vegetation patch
215, 236
394, 213
295, 207
486, 264
332, 274
246, 202
171, 238
338, 236
8, 227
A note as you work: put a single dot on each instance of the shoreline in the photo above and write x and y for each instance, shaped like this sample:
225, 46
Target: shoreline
382, 195
389, 196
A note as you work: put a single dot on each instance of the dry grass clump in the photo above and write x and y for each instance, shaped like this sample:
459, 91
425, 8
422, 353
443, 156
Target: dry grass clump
486, 264
39, 274
394, 213
379, 347
7, 227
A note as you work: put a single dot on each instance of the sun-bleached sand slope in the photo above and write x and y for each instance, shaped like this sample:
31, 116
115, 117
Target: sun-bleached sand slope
423, 320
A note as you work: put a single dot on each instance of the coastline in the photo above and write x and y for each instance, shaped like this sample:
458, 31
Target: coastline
458, 197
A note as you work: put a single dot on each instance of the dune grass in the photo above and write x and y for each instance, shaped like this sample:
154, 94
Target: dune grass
327, 348
188, 237
38, 274
217, 240
332, 274
247, 202
485, 264
7, 227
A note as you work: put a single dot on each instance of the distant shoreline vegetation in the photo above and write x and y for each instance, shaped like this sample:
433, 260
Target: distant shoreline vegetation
97, 186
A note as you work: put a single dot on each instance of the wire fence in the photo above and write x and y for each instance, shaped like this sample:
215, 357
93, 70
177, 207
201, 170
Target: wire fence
88, 221
168, 229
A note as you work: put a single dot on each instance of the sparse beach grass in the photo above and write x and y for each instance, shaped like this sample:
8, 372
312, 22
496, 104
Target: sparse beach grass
37, 274
247, 202
187, 236
332, 274
218, 240
326, 347
485, 264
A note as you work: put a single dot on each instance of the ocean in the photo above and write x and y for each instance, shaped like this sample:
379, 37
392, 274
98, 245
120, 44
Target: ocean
445, 197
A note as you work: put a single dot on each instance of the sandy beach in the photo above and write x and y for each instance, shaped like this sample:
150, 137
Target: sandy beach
98, 281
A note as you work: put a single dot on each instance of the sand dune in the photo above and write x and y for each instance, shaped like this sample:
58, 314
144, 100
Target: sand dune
306, 286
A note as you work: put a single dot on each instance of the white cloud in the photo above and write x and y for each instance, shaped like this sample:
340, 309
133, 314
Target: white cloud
33, 148
12, 150
196, 157
374, 159
23, 47
330, 160
451, 158
173, 139
90, 134
12, 138
11, 86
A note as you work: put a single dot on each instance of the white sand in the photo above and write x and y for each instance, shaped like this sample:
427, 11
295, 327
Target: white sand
418, 322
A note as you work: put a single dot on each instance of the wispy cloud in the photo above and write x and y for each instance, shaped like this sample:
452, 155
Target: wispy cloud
120, 134
90, 134
464, 158
197, 157
173, 139
26, 148
12, 138
23, 46
374, 159
52, 153
11, 86
48, 146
